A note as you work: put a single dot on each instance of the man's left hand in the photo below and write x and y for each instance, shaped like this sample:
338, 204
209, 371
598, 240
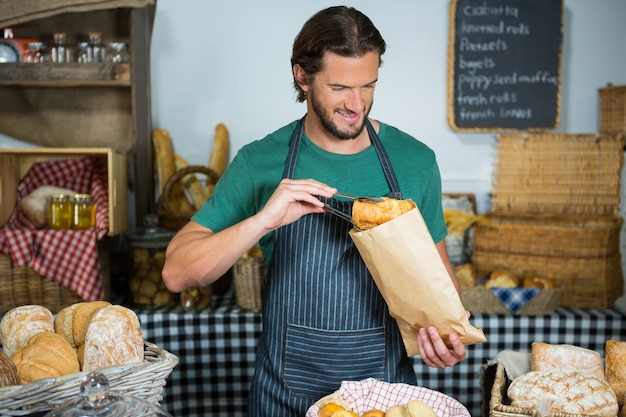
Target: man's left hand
434, 351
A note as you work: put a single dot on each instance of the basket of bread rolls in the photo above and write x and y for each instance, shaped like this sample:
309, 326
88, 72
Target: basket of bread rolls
374, 398
561, 380
478, 297
44, 357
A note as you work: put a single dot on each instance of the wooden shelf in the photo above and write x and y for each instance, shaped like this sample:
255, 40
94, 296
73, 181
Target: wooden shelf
65, 75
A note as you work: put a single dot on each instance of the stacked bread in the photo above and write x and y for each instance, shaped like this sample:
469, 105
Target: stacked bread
567, 379
85, 336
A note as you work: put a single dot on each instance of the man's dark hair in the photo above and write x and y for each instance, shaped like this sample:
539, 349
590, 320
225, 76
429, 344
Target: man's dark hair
342, 30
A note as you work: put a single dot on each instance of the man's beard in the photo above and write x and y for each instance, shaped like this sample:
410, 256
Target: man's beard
330, 126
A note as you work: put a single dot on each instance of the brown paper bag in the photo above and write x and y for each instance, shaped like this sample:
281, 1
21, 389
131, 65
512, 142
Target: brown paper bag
406, 266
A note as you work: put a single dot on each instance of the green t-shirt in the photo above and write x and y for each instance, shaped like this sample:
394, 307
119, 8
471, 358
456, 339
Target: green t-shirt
256, 170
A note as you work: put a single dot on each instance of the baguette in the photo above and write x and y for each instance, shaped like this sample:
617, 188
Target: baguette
218, 160
164, 161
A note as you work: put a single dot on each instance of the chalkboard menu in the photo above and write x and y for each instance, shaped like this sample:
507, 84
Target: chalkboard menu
504, 65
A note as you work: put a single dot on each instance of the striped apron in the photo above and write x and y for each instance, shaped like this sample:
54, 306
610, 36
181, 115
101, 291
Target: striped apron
323, 318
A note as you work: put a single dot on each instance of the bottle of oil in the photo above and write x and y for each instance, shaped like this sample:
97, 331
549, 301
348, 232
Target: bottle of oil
60, 212
84, 212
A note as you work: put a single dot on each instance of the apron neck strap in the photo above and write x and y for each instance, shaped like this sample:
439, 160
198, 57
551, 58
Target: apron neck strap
294, 147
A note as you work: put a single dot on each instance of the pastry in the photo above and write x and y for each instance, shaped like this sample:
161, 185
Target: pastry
21, 323
113, 338
545, 356
374, 413
366, 215
501, 279
397, 411
45, 355
563, 391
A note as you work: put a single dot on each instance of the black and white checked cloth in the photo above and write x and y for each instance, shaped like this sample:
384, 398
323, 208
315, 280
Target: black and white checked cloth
215, 348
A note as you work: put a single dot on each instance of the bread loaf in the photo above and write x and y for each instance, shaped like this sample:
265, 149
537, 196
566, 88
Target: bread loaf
81, 319
8, 371
615, 366
64, 323
366, 215
538, 282
397, 411
35, 205
563, 391
45, 355
21, 323
545, 356
113, 338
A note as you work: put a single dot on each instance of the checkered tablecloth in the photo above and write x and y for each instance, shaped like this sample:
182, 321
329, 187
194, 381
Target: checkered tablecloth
216, 355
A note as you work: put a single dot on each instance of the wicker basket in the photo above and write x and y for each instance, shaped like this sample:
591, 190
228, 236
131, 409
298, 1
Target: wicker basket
146, 381
580, 253
23, 285
558, 174
248, 275
499, 403
483, 300
612, 109
168, 217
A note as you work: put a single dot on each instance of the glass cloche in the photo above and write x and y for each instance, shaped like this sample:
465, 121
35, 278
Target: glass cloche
95, 401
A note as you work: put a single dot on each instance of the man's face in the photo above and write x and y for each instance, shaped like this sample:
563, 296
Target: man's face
343, 93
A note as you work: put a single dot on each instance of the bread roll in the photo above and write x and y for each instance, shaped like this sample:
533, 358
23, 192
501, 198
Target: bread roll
501, 279
35, 205
113, 338
21, 323
366, 215
328, 409
466, 275
563, 391
397, 411
8, 371
344, 413
538, 282
45, 355
419, 408
374, 413
615, 366
545, 356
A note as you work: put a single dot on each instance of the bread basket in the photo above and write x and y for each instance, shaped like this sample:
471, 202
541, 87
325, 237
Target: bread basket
145, 381
168, 217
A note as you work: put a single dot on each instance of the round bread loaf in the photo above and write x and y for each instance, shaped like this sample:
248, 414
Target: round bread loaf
397, 411
501, 279
419, 408
113, 338
21, 323
45, 355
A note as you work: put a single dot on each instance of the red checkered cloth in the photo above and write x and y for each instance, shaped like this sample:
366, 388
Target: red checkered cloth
69, 257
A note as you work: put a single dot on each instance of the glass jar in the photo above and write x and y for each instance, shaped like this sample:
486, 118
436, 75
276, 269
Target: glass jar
60, 212
83, 212
82, 52
118, 52
60, 52
147, 256
97, 50
36, 53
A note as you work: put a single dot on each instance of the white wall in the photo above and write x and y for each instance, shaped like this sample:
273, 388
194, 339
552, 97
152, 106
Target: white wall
228, 62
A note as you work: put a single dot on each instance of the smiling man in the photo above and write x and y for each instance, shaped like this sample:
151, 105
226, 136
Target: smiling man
324, 320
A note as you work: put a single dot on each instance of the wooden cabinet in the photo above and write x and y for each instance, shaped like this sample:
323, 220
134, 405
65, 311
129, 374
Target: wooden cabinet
85, 105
